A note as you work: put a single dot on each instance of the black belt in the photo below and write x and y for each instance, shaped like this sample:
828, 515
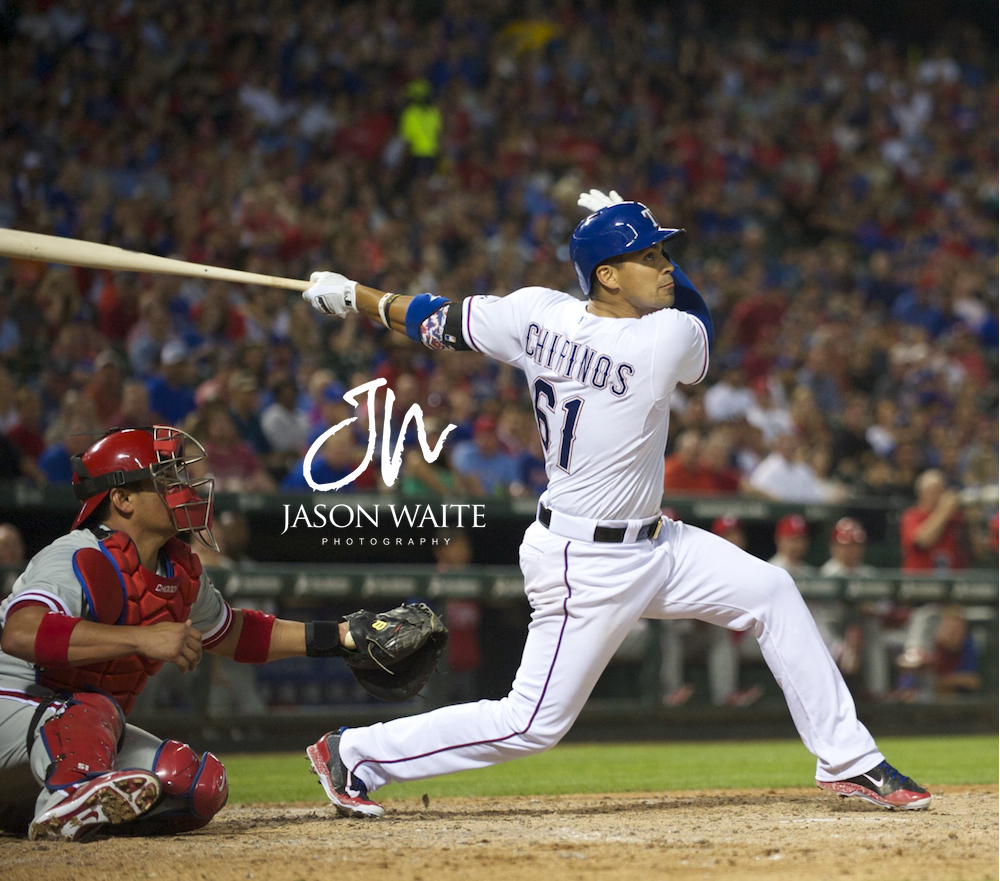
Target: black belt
614, 534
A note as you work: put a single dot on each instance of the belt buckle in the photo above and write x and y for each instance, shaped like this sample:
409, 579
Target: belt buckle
656, 529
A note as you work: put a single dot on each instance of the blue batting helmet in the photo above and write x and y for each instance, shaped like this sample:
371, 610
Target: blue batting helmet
617, 229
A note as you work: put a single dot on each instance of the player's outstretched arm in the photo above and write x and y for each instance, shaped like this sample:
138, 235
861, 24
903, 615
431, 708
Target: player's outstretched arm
256, 638
422, 318
391, 654
335, 294
51, 639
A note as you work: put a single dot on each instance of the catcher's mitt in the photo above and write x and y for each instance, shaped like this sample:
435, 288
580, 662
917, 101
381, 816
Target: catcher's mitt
396, 650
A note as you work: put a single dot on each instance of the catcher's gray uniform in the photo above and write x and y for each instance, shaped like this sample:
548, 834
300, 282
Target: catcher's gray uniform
51, 581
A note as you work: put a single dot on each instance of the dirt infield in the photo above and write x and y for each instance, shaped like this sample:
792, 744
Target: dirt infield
779, 835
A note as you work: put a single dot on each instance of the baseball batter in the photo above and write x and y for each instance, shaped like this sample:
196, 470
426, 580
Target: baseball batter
600, 555
99, 611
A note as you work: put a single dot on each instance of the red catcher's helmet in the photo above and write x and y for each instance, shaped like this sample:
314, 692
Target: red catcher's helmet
847, 531
159, 453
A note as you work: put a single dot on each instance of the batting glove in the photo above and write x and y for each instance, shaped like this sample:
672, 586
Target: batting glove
595, 200
332, 294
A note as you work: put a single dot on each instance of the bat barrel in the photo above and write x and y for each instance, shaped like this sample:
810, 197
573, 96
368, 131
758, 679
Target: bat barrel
75, 252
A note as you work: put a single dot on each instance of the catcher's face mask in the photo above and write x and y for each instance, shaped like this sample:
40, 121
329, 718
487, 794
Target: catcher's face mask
189, 502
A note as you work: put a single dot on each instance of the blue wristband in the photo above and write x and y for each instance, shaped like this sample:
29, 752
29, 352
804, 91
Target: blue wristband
421, 307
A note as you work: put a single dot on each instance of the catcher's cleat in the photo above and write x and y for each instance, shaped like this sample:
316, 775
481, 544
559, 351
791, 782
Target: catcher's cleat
324, 756
113, 798
883, 786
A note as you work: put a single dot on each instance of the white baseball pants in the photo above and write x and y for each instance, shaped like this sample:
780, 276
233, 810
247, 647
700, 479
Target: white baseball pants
585, 597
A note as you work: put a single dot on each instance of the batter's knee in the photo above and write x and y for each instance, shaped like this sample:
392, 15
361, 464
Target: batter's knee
536, 730
786, 588
782, 594
784, 584
195, 789
540, 737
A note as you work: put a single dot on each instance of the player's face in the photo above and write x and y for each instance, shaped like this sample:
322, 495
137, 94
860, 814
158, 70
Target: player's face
850, 555
645, 280
151, 510
794, 547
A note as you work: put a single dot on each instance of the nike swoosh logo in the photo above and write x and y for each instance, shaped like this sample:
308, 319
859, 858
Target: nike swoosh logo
878, 782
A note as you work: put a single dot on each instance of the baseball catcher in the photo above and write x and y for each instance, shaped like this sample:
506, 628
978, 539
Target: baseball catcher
102, 608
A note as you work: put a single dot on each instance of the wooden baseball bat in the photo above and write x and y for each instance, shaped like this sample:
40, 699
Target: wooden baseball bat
75, 252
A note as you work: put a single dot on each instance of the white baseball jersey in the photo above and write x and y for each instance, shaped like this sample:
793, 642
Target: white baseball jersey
50, 580
601, 391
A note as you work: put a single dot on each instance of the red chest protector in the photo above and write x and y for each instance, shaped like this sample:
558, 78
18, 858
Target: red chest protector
119, 590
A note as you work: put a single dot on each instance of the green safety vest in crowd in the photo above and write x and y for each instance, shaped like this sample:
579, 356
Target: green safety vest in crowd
421, 129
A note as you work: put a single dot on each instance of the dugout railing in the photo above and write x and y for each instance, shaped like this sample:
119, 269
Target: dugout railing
338, 582
43, 513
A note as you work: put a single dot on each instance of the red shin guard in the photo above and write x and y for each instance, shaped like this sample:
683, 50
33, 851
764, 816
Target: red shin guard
82, 740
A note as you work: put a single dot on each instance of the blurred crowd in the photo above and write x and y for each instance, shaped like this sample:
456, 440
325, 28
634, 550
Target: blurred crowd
839, 190
886, 650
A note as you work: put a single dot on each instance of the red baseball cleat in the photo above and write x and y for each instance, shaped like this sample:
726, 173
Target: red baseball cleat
324, 756
113, 798
883, 786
